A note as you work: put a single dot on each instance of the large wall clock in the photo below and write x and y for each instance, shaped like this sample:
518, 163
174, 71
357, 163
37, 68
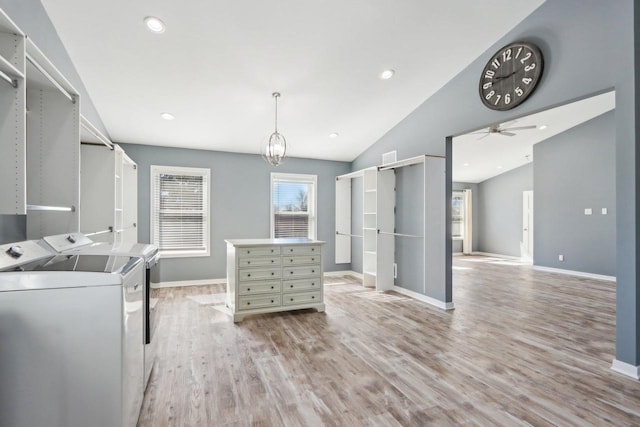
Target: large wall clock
511, 76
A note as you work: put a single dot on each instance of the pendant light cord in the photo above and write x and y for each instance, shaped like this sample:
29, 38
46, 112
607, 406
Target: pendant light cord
276, 95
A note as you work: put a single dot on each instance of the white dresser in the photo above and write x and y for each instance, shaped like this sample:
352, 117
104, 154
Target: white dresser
270, 275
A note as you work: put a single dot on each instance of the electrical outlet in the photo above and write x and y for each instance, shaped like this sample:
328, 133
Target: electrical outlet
604, 211
588, 211
395, 270
560, 257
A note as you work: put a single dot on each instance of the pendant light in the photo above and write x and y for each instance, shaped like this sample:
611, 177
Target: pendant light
275, 150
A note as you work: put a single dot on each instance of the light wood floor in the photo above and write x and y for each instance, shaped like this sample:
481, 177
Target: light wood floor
521, 348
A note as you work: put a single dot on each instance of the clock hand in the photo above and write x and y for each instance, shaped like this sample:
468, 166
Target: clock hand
503, 77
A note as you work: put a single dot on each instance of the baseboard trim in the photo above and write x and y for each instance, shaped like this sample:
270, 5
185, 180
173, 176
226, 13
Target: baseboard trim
489, 254
431, 301
575, 273
181, 283
343, 273
626, 369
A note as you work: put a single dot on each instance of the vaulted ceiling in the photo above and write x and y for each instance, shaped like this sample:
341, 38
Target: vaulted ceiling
217, 63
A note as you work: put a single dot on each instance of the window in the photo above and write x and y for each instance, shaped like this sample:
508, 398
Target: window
180, 211
293, 205
457, 215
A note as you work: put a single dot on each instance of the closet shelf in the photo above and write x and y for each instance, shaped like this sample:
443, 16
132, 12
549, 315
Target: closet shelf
370, 252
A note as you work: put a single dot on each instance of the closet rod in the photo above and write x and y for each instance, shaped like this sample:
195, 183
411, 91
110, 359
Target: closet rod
400, 234
346, 234
12, 82
51, 208
108, 230
50, 78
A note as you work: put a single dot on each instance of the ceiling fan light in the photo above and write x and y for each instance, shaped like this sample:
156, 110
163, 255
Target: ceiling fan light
387, 74
542, 127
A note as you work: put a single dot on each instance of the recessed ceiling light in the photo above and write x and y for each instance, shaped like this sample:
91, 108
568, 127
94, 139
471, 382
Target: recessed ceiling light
499, 167
466, 164
167, 116
155, 25
543, 127
333, 135
387, 74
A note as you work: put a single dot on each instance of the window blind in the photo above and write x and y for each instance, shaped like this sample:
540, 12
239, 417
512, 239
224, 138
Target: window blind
180, 210
293, 207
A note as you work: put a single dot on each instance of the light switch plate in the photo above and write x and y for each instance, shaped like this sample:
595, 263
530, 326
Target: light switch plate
560, 257
588, 211
604, 211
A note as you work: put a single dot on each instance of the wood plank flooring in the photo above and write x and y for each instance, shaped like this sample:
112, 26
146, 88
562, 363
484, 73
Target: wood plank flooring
522, 347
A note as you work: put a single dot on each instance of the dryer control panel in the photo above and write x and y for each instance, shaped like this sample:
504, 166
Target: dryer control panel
13, 255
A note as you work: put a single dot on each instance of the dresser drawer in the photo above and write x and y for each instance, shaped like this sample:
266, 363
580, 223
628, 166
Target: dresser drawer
259, 288
258, 251
305, 271
300, 250
251, 302
302, 298
258, 262
301, 260
258, 274
300, 285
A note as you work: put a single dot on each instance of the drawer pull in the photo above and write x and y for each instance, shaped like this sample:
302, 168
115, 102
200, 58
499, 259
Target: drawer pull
248, 289
249, 275
248, 303
292, 286
248, 252
313, 297
291, 299
313, 249
272, 300
291, 250
272, 273
313, 271
271, 261
272, 287
313, 259
248, 262
313, 283
271, 252
291, 272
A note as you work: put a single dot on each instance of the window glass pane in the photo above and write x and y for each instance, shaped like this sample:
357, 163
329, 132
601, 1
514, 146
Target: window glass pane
291, 209
457, 215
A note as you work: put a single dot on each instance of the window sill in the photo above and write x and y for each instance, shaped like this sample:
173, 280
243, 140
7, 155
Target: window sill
183, 254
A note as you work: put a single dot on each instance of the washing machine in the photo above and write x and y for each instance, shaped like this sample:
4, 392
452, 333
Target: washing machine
77, 243
71, 338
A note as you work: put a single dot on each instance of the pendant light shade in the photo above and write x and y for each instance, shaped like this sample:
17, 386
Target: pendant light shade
275, 150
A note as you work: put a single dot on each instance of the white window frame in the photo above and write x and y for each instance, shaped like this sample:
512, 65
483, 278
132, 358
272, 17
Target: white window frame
180, 170
460, 193
312, 202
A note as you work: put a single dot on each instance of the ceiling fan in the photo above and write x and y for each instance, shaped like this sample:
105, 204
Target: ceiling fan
502, 129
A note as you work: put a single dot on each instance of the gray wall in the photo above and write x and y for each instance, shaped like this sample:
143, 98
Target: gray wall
569, 33
457, 244
500, 211
240, 206
573, 171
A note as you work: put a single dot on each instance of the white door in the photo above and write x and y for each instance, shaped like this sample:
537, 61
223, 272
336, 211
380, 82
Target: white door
527, 224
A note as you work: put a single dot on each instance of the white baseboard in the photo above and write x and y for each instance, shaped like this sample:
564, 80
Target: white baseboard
626, 369
457, 253
489, 254
181, 283
431, 301
343, 273
575, 273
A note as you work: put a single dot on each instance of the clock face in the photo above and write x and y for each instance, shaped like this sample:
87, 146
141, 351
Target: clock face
511, 76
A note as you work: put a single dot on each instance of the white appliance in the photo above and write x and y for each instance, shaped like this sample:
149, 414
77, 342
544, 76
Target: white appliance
77, 243
71, 349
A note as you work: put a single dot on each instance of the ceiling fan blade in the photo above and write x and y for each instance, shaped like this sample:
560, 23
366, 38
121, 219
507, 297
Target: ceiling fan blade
506, 124
478, 133
507, 133
522, 127
486, 134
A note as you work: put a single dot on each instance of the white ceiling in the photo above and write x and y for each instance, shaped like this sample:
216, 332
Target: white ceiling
477, 157
218, 62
